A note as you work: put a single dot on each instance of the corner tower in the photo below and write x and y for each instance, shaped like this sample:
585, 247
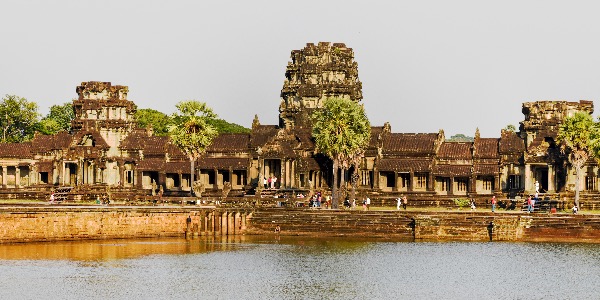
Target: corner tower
104, 108
316, 73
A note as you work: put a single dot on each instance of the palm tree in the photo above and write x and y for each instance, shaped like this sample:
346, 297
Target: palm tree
578, 136
341, 130
191, 132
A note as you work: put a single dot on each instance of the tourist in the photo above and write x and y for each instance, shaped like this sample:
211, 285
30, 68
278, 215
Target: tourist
274, 182
365, 204
493, 203
270, 182
277, 229
265, 182
533, 205
368, 203
354, 203
472, 204
404, 202
346, 203
52, 198
537, 187
575, 209
398, 203
529, 204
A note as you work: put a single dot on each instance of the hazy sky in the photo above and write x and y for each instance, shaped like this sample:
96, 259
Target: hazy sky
425, 65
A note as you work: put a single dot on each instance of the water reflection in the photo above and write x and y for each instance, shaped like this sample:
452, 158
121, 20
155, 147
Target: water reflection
249, 267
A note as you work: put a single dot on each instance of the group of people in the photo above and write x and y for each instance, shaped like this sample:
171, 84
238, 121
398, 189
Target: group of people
317, 200
401, 201
270, 182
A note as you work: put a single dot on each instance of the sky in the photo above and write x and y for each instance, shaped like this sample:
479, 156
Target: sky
425, 65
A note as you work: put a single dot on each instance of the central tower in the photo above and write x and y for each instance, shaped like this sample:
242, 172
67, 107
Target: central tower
316, 73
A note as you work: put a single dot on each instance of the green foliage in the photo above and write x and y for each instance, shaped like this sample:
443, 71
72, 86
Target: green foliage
159, 121
460, 138
18, 119
341, 131
223, 126
578, 136
190, 129
59, 118
462, 202
48, 126
511, 128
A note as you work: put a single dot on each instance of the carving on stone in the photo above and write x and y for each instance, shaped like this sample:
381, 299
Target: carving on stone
198, 188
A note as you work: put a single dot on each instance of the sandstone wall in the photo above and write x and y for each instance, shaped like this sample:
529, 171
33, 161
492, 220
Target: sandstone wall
26, 224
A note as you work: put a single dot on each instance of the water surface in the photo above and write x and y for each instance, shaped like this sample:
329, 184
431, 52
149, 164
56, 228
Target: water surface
298, 268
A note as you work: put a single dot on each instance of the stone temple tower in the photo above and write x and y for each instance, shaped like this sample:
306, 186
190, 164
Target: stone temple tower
316, 73
104, 108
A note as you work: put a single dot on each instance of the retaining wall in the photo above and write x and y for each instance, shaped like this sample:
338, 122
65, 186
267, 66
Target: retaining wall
25, 224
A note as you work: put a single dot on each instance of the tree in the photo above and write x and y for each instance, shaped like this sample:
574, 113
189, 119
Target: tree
18, 119
59, 118
511, 128
578, 136
191, 132
223, 126
342, 131
159, 121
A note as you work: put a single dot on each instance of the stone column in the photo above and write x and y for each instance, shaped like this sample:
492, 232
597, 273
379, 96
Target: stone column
395, 189
80, 170
231, 223
217, 222
17, 177
224, 223
243, 227
528, 187
451, 187
4, 176
216, 184
375, 178
496, 186
411, 181
551, 179
430, 182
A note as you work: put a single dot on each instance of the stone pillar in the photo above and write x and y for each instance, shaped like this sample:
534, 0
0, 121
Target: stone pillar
451, 187
224, 223
17, 177
551, 179
80, 170
202, 223
375, 178
430, 182
4, 176
411, 181
395, 188
496, 186
216, 185
231, 223
217, 222
528, 187
243, 225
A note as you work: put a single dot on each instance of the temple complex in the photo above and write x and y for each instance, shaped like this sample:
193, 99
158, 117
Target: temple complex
106, 149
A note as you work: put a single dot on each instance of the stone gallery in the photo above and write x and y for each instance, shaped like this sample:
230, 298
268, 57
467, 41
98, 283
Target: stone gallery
106, 149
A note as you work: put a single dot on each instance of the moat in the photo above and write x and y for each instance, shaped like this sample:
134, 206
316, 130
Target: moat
270, 267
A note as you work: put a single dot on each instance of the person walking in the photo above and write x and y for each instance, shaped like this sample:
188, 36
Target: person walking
493, 203
404, 202
398, 203
52, 198
368, 202
529, 204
